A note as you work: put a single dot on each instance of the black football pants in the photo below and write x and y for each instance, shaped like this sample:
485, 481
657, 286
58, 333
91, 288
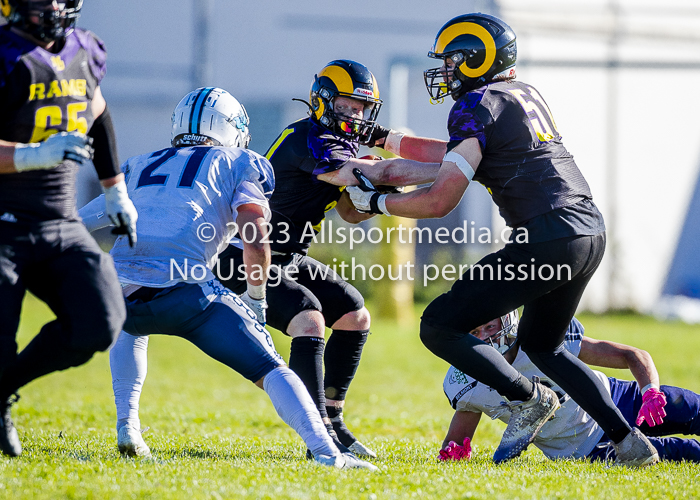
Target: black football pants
548, 279
61, 264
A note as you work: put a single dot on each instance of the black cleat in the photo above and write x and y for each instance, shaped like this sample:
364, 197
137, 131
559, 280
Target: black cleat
9, 440
348, 439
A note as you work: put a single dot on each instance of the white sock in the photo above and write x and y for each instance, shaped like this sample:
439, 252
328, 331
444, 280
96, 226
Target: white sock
295, 406
128, 360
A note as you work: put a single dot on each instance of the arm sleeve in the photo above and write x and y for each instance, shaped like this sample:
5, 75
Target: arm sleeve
106, 158
94, 214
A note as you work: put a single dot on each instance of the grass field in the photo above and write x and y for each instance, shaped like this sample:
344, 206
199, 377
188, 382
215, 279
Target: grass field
215, 435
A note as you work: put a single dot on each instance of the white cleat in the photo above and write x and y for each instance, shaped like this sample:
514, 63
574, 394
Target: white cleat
361, 450
344, 461
131, 443
635, 451
352, 462
526, 420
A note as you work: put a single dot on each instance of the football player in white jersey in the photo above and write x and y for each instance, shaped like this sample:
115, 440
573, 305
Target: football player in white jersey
192, 197
572, 433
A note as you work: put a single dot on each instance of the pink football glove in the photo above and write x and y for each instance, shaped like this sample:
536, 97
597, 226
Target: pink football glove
652, 410
453, 451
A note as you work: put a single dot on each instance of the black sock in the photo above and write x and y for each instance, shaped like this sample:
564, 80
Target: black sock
344, 435
333, 411
306, 360
341, 360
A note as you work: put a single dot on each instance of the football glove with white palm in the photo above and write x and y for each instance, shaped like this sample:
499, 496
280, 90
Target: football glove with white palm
365, 197
53, 151
258, 306
121, 211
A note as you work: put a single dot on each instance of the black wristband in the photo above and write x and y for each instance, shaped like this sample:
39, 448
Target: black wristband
106, 159
378, 133
374, 204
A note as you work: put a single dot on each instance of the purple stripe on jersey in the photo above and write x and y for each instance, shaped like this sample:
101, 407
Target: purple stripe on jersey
329, 151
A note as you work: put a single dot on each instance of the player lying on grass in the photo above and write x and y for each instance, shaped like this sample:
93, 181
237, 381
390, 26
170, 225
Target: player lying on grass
189, 196
572, 433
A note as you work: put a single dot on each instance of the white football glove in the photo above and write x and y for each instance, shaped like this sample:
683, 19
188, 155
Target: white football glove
121, 211
52, 152
365, 197
367, 202
258, 306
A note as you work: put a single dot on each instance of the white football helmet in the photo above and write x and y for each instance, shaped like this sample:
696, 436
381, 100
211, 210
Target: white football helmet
210, 113
506, 337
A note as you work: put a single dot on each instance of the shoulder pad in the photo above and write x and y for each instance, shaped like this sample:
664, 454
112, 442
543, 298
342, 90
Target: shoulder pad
96, 51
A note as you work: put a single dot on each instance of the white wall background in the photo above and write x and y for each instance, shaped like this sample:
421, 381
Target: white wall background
642, 166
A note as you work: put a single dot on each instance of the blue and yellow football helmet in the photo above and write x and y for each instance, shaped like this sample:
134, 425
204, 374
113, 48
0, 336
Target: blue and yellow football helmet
347, 79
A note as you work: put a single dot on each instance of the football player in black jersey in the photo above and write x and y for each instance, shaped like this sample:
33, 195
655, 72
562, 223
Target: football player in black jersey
51, 109
313, 159
502, 134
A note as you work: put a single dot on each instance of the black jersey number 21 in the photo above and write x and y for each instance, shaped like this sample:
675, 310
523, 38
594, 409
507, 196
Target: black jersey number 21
534, 105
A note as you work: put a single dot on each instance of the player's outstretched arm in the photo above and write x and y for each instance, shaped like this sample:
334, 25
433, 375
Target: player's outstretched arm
437, 200
252, 228
613, 355
463, 425
457, 442
19, 157
94, 214
421, 149
390, 172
